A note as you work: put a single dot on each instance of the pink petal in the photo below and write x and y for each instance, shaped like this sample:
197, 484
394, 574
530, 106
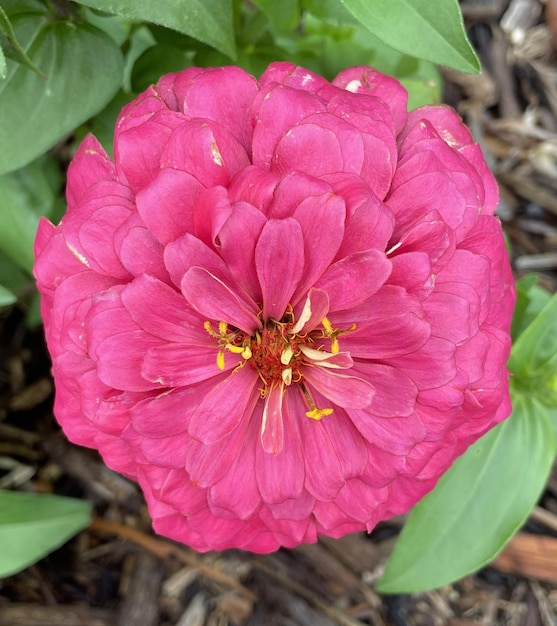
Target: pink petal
286, 73
254, 185
139, 251
180, 365
238, 238
397, 435
354, 279
206, 151
412, 270
72, 302
395, 393
365, 80
227, 404
118, 345
449, 316
349, 444
279, 261
272, 427
168, 452
445, 120
360, 502
297, 149
340, 389
210, 213
208, 463
89, 165
276, 110
166, 205
429, 367
168, 413
171, 320
188, 251
221, 94
225, 494
280, 476
90, 228
139, 143
299, 508
322, 221
292, 190
369, 222
316, 307
324, 476
214, 300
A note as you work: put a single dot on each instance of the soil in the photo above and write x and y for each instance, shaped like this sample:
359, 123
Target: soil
117, 573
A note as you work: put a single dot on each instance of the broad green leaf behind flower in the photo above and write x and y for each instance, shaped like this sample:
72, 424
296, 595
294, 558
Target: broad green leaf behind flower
32, 525
429, 30
209, 21
36, 113
477, 506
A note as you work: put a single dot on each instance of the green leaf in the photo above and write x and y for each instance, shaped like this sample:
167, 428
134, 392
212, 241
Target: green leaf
530, 300
3, 66
14, 49
429, 30
534, 356
209, 21
33, 525
12, 277
84, 69
25, 195
6, 297
477, 506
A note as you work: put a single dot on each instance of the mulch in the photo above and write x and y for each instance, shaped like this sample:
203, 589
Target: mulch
117, 573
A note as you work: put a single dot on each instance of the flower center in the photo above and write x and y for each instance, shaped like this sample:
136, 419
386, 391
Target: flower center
276, 354
279, 352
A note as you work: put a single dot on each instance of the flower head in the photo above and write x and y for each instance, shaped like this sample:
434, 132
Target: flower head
284, 308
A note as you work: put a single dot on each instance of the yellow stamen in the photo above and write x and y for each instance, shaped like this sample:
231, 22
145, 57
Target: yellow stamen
317, 414
220, 359
333, 334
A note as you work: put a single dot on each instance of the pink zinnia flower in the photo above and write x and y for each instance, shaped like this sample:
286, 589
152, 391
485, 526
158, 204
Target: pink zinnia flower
284, 308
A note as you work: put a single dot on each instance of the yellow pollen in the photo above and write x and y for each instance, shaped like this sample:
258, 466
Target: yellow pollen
334, 333
220, 359
317, 414
227, 341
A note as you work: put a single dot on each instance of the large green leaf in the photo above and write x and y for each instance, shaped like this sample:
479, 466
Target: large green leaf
84, 69
6, 297
33, 525
209, 21
477, 505
427, 29
534, 355
530, 300
3, 66
25, 195
14, 49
